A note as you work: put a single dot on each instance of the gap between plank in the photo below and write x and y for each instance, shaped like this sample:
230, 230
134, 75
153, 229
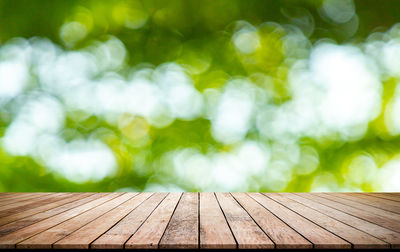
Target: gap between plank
168, 220
281, 219
349, 213
342, 221
227, 222
90, 244
351, 244
253, 218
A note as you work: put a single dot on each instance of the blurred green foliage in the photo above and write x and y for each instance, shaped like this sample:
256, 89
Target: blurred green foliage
200, 37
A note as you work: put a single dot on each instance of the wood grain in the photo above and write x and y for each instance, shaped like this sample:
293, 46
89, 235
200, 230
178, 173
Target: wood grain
387, 235
199, 220
46, 238
384, 196
384, 204
247, 233
183, 228
26, 205
17, 221
121, 232
81, 238
321, 238
380, 217
150, 233
20, 198
359, 239
9, 240
281, 234
214, 230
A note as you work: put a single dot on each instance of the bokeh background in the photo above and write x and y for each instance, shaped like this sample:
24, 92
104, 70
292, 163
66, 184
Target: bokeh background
189, 95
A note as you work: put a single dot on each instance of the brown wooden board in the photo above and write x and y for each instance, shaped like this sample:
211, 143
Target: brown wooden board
372, 214
320, 237
384, 204
199, 220
391, 237
25, 218
120, 233
150, 233
359, 239
82, 238
11, 239
46, 238
384, 196
214, 230
247, 233
281, 234
183, 228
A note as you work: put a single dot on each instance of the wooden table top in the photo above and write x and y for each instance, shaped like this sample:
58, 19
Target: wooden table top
199, 220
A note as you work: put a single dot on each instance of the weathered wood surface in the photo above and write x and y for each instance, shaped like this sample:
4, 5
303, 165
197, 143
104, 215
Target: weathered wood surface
199, 220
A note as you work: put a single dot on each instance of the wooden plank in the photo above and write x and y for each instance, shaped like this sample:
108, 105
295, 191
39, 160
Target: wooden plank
17, 221
384, 196
8, 241
81, 238
389, 236
16, 196
27, 197
29, 212
12, 203
206, 220
46, 238
214, 230
354, 202
321, 238
384, 204
24, 205
380, 217
121, 232
182, 231
23, 195
359, 239
7, 196
150, 233
4, 194
281, 234
247, 233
